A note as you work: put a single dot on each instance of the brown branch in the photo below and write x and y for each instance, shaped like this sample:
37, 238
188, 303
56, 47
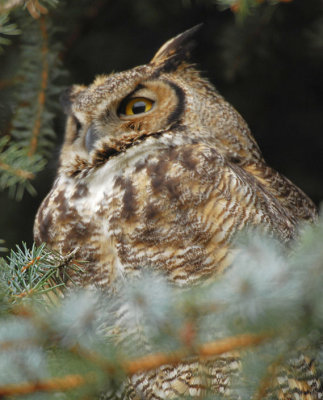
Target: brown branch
35, 9
43, 87
203, 351
25, 294
33, 6
9, 82
48, 385
156, 360
18, 172
146, 363
17, 344
32, 262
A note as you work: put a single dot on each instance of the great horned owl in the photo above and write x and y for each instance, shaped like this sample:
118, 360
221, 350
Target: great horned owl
157, 169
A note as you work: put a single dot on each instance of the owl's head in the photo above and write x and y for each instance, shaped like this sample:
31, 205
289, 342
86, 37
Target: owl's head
166, 99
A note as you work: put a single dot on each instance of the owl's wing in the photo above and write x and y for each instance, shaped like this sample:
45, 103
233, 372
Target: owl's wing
289, 195
180, 208
178, 212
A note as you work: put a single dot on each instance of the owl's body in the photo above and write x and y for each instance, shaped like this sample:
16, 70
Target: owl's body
158, 171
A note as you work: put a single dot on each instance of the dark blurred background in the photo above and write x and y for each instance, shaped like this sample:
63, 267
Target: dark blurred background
269, 66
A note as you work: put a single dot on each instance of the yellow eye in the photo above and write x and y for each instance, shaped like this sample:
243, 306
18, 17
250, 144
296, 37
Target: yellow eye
137, 105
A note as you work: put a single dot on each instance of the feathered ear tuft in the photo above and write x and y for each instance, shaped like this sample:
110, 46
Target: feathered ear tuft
175, 50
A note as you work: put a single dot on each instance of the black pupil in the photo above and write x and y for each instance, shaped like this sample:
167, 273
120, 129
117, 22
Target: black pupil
139, 107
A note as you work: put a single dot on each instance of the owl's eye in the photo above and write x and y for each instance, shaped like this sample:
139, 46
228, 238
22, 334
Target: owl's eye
137, 105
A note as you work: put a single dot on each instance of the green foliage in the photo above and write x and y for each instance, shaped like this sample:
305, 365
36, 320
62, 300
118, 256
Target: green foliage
17, 168
6, 29
70, 346
2, 249
37, 91
35, 76
34, 272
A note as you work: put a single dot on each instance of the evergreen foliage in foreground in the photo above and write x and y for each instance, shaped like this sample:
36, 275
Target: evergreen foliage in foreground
52, 346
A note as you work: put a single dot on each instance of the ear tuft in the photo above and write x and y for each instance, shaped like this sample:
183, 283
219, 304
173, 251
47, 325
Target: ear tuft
175, 50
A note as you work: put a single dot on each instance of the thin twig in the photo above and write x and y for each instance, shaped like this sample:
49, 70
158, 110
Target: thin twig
9, 82
203, 351
132, 367
156, 360
17, 171
43, 87
48, 385
32, 262
35, 9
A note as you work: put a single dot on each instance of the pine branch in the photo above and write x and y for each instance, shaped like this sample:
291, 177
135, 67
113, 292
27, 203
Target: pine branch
36, 86
33, 272
6, 29
36, 95
2, 249
65, 383
147, 363
267, 301
202, 352
35, 8
42, 90
17, 169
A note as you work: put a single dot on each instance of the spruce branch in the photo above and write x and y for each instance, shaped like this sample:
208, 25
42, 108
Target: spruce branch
2, 249
202, 352
42, 90
268, 304
57, 384
40, 73
35, 272
6, 29
132, 367
36, 94
8, 83
36, 86
17, 169
35, 8
151, 361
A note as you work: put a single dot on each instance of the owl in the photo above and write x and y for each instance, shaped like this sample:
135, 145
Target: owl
158, 170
